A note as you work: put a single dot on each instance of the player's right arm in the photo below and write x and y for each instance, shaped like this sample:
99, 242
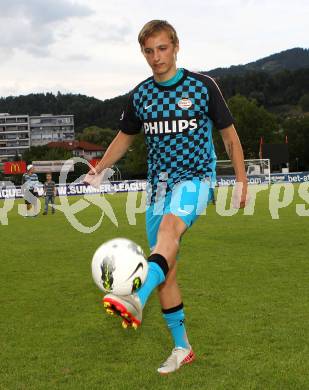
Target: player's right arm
130, 125
114, 152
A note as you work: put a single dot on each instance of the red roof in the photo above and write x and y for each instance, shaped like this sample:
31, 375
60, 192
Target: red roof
73, 145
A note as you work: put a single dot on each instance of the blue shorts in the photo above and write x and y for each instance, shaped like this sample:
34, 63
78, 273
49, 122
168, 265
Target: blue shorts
187, 200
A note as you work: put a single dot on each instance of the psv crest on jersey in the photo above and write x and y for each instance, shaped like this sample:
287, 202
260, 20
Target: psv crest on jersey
185, 103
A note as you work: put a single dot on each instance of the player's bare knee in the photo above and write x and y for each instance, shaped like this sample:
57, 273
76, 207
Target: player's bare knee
171, 227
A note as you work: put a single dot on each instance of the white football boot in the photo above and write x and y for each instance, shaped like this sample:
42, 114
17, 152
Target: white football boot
128, 307
178, 358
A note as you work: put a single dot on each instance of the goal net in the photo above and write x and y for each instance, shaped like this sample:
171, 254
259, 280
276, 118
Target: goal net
258, 171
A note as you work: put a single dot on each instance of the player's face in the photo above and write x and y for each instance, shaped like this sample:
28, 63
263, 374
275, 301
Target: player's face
161, 55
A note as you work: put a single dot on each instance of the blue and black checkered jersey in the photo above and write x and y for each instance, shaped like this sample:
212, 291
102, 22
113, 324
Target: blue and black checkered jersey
177, 121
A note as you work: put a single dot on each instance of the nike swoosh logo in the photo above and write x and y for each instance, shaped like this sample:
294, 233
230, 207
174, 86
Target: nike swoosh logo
146, 107
183, 211
139, 265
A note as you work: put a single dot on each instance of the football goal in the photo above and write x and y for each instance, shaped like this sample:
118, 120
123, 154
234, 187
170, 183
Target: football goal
258, 171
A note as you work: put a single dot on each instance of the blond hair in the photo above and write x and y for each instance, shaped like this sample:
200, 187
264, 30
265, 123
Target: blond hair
154, 27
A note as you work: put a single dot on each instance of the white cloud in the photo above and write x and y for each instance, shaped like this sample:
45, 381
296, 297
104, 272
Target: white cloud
112, 33
77, 58
90, 46
31, 25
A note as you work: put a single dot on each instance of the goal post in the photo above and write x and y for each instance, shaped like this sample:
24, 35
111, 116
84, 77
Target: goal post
258, 171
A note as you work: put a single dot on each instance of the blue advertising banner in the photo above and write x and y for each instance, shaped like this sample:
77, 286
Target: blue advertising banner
79, 189
140, 185
295, 177
252, 179
105, 188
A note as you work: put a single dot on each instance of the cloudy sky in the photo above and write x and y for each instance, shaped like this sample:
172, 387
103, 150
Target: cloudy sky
90, 46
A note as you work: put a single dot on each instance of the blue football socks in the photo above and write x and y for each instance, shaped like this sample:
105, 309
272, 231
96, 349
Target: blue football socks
157, 271
175, 318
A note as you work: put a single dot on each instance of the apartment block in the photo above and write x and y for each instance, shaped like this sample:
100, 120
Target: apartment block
14, 135
51, 128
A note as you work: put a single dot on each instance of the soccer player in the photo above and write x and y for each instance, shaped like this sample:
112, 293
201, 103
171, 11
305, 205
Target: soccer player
176, 109
30, 183
50, 193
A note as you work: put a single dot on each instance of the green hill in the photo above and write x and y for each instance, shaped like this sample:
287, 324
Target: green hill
291, 59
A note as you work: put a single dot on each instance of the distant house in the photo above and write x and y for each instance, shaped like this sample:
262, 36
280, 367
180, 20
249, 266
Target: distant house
83, 149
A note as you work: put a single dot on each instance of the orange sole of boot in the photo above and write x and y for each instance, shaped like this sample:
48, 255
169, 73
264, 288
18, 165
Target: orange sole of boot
112, 307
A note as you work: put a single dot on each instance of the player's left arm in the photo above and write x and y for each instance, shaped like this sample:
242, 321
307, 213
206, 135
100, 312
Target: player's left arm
223, 120
235, 152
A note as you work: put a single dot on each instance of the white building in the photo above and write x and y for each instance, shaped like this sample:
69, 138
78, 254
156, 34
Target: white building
19, 132
51, 128
14, 135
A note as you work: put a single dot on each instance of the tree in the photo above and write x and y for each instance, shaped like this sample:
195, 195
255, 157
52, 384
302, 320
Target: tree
87, 111
97, 135
304, 102
44, 153
297, 130
252, 122
134, 164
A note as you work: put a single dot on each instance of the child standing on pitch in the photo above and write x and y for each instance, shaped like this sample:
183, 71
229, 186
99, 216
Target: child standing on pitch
49, 192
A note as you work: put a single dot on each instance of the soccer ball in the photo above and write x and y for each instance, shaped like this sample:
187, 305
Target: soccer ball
119, 266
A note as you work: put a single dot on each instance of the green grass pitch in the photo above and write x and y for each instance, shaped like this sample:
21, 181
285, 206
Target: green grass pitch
245, 285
